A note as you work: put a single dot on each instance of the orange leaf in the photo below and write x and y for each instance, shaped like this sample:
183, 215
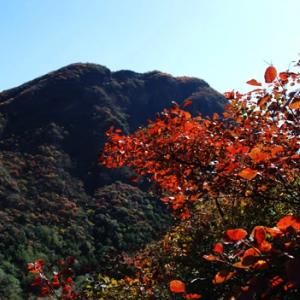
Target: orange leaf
255, 153
210, 257
229, 95
276, 150
177, 286
253, 82
274, 232
240, 265
192, 296
270, 74
223, 276
265, 246
251, 256
263, 100
295, 104
284, 75
260, 265
288, 221
248, 173
234, 235
259, 234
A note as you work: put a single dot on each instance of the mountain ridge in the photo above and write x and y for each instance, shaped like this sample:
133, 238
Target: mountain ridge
54, 200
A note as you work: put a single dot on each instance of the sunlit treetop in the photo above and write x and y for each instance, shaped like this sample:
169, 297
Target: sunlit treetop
247, 154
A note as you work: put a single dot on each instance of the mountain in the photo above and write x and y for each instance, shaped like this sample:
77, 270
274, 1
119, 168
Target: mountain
54, 201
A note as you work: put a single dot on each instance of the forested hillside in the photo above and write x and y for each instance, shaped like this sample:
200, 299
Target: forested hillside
55, 201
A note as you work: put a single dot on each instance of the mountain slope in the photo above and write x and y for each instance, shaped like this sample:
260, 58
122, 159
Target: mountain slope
54, 201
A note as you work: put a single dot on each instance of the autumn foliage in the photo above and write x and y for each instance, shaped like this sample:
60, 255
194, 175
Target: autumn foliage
237, 173
270, 256
250, 154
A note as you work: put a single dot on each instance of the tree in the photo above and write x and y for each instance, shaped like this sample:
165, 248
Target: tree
240, 169
247, 157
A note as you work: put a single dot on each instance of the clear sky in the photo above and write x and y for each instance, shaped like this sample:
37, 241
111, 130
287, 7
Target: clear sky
223, 42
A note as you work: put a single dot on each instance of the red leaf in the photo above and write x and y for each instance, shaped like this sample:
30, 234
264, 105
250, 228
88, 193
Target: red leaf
243, 149
66, 289
274, 232
36, 281
270, 74
253, 82
71, 259
177, 286
275, 281
287, 221
259, 234
134, 178
231, 149
55, 280
39, 263
218, 248
234, 235
187, 102
229, 95
69, 280
109, 132
45, 291
72, 295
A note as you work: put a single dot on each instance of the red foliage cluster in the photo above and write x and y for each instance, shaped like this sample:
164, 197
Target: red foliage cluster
271, 256
247, 153
62, 279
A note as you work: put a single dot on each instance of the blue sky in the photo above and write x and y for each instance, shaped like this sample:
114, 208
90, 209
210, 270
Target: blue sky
223, 42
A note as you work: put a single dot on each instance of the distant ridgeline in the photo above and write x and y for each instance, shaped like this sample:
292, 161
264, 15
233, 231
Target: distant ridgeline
54, 201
